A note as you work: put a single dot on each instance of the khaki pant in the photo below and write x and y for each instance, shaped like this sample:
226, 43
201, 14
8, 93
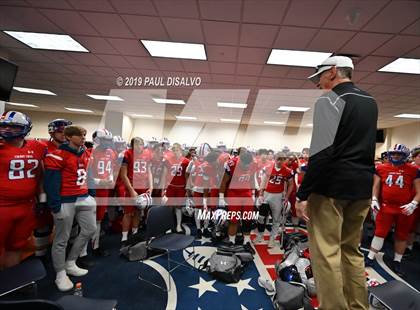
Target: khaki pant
335, 228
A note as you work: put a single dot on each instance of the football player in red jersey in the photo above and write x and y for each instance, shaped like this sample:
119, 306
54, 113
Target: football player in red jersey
275, 190
415, 227
303, 166
203, 174
20, 182
44, 219
238, 184
262, 162
393, 185
68, 197
102, 169
137, 177
157, 167
174, 172
292, 163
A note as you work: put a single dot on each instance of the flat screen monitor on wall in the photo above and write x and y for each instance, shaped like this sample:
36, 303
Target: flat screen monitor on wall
8, 72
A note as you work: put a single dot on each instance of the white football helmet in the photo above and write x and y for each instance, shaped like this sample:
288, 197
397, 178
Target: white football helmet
143, 201
14, 119
102, 136
219, 217
203, 150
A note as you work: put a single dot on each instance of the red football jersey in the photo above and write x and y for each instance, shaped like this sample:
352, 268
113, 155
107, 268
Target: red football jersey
303, 163
397, 183
205, 172
138, 165
73, 171
157, 170
240, 177
260, 169
176, 170
20, 172
277, 178
49, 144
102, 165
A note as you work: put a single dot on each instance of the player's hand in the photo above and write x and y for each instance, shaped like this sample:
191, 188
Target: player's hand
164, 199
302, 210
205, 204
375, 207
260, 200
287, 205
150, 190
409, 208
222, 203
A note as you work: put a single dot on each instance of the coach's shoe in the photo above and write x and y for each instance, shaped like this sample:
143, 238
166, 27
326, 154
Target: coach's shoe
73, 270
85, 262
63, 283
369, 262
100, 252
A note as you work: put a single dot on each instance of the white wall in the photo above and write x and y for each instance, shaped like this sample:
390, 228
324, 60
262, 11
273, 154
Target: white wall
407, 134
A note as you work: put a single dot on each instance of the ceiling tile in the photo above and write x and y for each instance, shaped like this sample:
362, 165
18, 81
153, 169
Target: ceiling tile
222, 67
258, 35
275, 71
25, 19
377, 78
297, 15
27, 54
128, 47
143, 7
92, 5
196, 66
220, 52
79, 69
364, 43
227, 10
96, 44
300, 73
8, 41
263, 81
104, 71
322, 41
60, 57
290, 83
413, 29
221, 33
184, 30
264, 11
146, 27
294, 37
179, 8
248, 69
398, 46
108, 25
54, 4
116, 61
358, 75
224, 79
253, 55
169, 64
396, 16
70, 21
373, 63
246, 80
141, 62
88, 59
353, 14
413, 54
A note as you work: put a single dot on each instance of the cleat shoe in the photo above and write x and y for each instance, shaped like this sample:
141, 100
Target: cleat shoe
101, 252
85, 262
64, 283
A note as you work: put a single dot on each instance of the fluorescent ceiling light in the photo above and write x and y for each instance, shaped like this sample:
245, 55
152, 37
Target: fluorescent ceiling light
185, 117
232, 105
102, 97
22, 104
141, 115
48, 41
230, 120
34, 91
273, 123
407, 115
296, 58
309, 125
403, 65
175, 49
293, 109
79, 110
168, 101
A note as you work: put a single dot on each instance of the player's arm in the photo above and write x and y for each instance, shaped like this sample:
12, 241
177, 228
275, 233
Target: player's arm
289, 187
409, 208
126, 181
150, 178
417, 188
376, 187
52, 181
189, 184
264, 181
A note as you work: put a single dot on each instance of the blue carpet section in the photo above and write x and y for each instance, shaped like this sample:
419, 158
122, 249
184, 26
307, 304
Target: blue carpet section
115, 277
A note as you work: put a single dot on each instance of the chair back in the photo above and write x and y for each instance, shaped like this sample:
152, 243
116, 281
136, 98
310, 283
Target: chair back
29, 304
159, 220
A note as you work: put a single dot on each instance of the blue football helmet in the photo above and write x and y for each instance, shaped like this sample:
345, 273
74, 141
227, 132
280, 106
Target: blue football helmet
399, 149
20, 123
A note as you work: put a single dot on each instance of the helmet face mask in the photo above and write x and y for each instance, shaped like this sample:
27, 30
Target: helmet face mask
399, 154
58, 125
14, 125
102, 137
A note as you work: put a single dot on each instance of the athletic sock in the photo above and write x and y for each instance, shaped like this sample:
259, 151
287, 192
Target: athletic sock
124, 236
397, 257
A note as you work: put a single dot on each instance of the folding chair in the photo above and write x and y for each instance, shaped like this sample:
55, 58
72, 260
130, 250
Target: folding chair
160, 219
22, 275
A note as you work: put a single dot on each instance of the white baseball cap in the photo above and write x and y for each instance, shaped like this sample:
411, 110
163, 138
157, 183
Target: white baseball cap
337, 61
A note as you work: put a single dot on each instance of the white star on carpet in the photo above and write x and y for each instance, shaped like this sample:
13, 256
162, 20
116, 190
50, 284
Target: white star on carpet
204, 240
204, 286
243, 307
242, 285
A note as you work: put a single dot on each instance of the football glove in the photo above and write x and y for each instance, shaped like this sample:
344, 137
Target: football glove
409, 208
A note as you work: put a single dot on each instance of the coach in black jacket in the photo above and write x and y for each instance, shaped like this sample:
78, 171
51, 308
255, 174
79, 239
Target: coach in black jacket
336, 192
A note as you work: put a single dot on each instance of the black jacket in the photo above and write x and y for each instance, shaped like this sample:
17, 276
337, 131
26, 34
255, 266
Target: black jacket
341, 162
